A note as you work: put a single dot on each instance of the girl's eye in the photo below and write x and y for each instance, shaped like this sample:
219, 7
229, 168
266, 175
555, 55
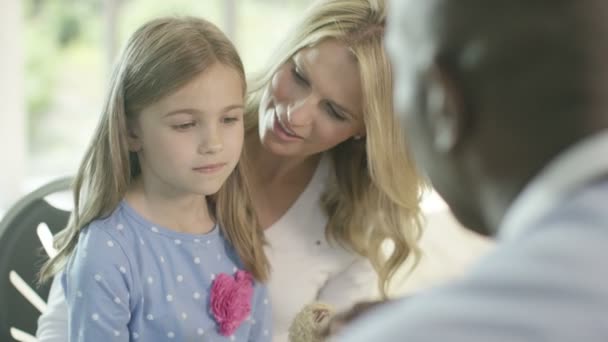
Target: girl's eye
230, 119
184, 126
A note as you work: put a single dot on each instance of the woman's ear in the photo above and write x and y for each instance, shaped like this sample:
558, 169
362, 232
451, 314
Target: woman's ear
447, 116
359, 135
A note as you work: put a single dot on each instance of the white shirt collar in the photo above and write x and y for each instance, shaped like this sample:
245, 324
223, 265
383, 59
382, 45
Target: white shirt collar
570, 170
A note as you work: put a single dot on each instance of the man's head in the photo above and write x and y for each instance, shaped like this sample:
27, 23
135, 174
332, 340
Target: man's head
489, 91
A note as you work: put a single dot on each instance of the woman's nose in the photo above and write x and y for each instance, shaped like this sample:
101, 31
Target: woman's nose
301, 112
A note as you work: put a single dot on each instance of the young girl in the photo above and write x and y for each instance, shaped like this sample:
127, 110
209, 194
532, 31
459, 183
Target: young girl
163, 244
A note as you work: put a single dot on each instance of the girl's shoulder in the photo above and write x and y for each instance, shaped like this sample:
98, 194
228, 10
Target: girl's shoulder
115, 229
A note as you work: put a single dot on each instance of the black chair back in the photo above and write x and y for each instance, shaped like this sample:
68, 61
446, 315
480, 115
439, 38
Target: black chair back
21, 251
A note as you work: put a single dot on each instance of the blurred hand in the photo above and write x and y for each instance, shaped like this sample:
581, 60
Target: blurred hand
340, 320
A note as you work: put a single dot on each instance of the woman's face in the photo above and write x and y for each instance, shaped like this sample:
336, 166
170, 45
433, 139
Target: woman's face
313, 102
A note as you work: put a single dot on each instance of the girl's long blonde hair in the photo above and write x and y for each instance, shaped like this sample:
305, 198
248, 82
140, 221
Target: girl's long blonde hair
375, 191
159, 58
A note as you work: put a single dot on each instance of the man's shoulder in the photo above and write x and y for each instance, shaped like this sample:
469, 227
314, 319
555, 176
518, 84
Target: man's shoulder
549, 286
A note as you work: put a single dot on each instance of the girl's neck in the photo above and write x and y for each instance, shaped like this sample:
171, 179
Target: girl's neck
274, 169
182, 213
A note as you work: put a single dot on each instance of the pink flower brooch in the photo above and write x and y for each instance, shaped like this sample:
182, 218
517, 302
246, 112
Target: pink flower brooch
231, 300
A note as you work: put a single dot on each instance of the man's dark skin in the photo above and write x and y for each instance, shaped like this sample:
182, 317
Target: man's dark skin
490, 91
517, 88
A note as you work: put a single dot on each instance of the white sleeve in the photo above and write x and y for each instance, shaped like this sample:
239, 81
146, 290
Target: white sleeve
356, 283
53, 323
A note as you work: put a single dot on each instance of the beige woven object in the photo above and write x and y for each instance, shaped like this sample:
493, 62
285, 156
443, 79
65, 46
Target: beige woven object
310, 322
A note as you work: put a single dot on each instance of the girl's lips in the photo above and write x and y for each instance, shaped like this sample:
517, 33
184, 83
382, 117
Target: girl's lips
210, 168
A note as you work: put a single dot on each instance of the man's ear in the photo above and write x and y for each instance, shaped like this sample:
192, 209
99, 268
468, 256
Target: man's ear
447, 115
133, 136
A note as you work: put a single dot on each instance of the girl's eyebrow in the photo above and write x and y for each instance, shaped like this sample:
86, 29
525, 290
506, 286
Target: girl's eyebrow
194, 111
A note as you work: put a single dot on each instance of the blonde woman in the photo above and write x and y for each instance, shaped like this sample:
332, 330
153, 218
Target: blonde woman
162, 243
330, 178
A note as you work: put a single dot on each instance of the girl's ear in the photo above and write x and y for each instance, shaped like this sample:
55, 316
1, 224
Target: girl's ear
133, 136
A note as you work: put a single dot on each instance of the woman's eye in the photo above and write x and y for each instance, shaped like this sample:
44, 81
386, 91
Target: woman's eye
334, 113
298, 76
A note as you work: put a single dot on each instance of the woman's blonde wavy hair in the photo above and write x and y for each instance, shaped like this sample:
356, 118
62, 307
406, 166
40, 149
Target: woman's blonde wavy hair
160, 57
375, 193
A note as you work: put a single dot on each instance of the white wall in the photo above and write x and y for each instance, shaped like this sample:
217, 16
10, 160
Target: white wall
12, 103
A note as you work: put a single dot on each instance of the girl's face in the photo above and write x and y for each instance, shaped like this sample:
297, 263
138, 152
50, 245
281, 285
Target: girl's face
190, 141
313, 102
